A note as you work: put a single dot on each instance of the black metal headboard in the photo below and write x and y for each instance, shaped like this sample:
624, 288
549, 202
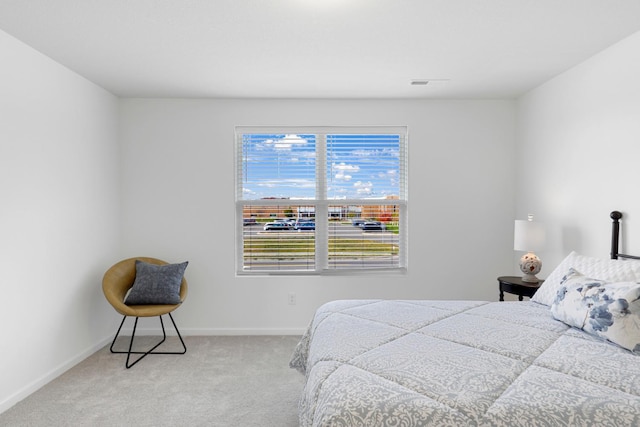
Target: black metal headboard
615, 237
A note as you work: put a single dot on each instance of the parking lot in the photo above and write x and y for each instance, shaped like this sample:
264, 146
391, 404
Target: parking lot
290, 249
336, 229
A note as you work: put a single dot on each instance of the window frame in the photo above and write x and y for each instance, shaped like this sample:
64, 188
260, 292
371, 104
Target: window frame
321, 202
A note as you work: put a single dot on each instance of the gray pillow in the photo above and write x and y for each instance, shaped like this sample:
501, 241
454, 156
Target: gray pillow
156, 284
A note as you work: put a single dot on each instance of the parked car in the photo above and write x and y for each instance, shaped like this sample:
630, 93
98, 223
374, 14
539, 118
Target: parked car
372, 226
305, 225
249, 221
285, 220
357, 222
277, 226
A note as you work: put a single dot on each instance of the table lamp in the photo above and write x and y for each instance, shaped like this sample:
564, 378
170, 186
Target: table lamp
529, 236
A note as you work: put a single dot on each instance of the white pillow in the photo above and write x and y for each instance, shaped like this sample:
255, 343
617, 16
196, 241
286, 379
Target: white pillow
610, 270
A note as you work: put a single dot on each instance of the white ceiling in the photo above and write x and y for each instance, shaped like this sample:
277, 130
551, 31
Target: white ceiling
319, 48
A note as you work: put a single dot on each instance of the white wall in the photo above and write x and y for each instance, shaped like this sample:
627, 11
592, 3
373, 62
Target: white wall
178, 203
578, 154
59, 210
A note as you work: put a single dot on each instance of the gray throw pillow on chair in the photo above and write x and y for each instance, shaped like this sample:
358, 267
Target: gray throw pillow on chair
156, 284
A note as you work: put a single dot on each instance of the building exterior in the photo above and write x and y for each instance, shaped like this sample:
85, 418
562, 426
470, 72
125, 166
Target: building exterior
383, 212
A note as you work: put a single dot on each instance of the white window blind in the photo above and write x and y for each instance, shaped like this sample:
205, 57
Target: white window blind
321, 199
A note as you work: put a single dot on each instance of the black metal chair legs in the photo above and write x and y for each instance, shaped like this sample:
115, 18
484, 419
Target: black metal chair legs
145, 353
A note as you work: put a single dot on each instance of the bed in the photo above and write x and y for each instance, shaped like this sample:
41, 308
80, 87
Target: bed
568, 357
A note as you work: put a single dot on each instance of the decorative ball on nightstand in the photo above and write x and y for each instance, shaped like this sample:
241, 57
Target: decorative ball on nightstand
530, 265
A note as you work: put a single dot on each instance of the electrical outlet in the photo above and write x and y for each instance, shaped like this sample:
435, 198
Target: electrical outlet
292, 298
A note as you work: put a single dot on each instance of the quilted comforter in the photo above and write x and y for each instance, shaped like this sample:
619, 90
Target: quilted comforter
460, 363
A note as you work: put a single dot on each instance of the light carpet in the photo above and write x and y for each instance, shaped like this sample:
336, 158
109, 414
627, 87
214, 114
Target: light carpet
220, 381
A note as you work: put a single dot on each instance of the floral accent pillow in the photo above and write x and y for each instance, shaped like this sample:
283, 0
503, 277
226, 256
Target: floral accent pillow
607, 310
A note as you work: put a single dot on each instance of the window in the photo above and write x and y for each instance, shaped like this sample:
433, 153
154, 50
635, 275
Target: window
321, 199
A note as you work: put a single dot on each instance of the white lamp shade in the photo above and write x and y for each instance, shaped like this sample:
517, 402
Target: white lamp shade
528, 236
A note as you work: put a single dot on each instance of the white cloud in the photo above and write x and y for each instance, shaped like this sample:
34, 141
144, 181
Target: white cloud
341, 176
345, 167
342, 169
267, 184
363, 187
286, 143
363, 153
292, 182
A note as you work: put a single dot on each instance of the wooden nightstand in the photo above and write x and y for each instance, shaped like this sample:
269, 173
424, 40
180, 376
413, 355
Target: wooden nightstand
515, 285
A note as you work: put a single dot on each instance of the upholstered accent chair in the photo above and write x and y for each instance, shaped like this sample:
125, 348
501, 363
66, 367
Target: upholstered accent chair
161, 289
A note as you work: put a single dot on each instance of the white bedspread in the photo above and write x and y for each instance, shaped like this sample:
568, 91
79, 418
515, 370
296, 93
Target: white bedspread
460, 363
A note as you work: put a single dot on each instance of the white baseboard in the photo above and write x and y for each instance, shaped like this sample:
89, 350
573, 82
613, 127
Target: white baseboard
217, 331
51, 375
243, 331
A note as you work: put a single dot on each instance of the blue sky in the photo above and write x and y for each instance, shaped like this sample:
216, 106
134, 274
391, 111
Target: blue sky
358, 166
